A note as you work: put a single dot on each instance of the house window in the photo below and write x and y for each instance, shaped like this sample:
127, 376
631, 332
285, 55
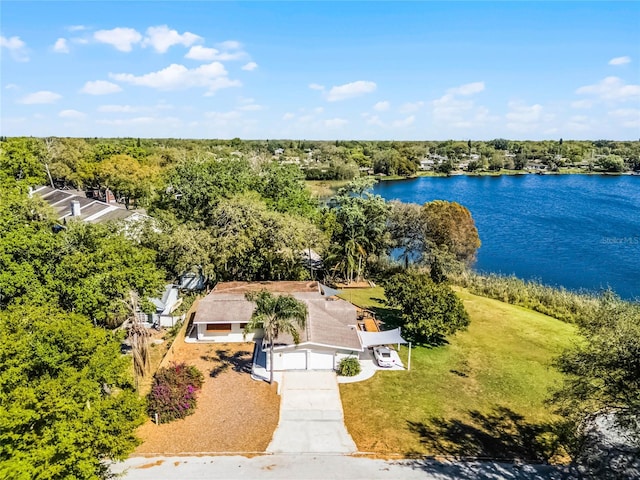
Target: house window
218, 327
243, 326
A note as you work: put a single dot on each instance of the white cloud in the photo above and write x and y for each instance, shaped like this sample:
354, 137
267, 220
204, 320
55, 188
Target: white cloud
76, 28
17, 48
350, 90
61, 46
100, 87
374, 120
620, 61
251, 107
43, 96
527, 118
461, 113
628, 117
467, 89
72, 114
249, 67
117, 109
582, 104
318, 110
405, 122
212, 76
120, 38
611, 89
410, 107
198, 52
133, 109
335, 122
382, 106
230, 45
11, 86
315, 86
579, 123
138, 121
161, 38
288, 116
522, 113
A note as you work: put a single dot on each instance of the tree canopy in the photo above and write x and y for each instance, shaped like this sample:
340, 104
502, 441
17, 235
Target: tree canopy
428, 311
66, 399
603, 370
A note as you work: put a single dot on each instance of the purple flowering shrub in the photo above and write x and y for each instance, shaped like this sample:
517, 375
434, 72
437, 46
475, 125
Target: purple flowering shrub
173, 393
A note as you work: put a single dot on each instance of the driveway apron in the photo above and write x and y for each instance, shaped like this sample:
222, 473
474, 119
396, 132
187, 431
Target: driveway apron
311, 416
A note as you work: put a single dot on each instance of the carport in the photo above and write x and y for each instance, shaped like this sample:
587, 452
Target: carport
387, 337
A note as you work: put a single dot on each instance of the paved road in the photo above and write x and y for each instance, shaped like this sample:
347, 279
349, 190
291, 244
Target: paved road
322, 467
311, 416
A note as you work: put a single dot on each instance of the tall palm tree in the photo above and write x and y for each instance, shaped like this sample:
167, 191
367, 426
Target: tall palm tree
276, 314
138, 337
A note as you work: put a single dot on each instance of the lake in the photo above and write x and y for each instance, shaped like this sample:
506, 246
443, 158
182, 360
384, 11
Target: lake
581, 232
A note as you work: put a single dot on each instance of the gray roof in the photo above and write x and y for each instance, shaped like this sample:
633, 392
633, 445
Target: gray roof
91, 210
331, 322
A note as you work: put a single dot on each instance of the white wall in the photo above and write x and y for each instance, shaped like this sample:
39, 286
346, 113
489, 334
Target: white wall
236, 335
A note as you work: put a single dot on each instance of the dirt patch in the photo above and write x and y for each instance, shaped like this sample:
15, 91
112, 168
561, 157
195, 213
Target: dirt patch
151, 465
234, 414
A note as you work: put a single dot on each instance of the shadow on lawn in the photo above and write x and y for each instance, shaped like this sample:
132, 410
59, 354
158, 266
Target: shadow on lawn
501, 435
240, 362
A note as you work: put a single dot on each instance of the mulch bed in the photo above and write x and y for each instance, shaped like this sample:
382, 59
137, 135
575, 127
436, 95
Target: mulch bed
235, 414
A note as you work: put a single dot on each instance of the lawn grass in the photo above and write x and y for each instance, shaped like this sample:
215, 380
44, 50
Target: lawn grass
481, 395
325, 189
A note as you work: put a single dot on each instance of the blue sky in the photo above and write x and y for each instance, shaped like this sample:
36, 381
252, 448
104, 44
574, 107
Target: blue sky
321, 70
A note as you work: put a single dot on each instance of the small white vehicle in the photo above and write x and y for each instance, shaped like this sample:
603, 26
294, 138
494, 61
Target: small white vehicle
383, 356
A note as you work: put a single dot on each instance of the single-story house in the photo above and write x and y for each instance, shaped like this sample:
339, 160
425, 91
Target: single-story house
330, 333
165, 307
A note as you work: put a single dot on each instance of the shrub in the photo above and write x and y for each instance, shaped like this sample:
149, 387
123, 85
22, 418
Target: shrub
349, 367
173, 393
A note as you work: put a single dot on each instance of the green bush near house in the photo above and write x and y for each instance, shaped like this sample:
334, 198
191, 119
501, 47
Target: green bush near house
349, 367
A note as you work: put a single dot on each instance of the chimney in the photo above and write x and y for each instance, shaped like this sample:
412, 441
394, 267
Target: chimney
75, 208
109, 197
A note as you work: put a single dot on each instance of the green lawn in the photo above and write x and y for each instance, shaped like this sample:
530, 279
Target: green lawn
483, 394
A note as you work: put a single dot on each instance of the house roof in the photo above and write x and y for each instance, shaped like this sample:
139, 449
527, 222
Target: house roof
91, 210
330, 322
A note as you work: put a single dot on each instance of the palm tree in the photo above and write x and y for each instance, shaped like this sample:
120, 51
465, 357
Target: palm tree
276, 314
138, 337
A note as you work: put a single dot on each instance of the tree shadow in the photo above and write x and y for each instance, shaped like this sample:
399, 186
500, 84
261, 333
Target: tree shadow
501, 435
239, 361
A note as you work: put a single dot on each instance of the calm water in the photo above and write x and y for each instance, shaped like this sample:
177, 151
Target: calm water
577, 231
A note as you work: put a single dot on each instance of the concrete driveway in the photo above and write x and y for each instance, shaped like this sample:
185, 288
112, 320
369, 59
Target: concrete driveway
311, 416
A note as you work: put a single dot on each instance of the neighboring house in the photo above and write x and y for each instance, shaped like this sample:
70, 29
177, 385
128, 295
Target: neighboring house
193, 282
71, 205
165, 306
330, 333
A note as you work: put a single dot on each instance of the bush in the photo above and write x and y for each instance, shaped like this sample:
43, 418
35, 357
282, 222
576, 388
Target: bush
349, 367
173, 393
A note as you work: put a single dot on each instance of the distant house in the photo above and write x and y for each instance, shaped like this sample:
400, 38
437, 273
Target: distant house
165, 307
193, 282
71, 205
330, 333
426, 164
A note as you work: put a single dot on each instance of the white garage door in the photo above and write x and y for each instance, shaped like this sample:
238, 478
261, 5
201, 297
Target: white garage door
294, 361
320, 361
